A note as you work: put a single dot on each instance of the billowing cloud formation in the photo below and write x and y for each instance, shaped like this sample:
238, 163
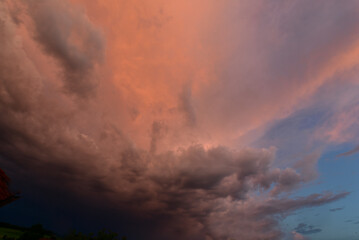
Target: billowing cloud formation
131, 106
71, 39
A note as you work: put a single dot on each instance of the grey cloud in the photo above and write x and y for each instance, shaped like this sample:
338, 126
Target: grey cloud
287, 180
58, 28
157, 132
231, 221
186, 105
307, 166
306, 229
278, 206
336, 209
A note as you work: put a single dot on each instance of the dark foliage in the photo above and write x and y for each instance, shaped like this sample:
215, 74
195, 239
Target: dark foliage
101, 235
36, 232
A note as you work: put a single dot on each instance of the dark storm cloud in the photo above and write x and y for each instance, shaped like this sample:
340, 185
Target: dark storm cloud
59, 150
306, 229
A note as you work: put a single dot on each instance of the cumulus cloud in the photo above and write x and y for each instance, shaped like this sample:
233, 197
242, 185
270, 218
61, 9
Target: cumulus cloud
136, 147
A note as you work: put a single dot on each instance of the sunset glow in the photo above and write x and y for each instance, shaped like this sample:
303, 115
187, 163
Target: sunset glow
160, 119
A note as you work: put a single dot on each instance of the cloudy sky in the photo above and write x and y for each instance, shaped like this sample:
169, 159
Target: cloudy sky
198, 119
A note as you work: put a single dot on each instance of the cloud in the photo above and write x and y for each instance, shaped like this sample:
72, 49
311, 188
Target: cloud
280, 206
298, 236
306, 229
186, 104
341, 127
66, 34
149, 147
348, 153
286, 59
336, 209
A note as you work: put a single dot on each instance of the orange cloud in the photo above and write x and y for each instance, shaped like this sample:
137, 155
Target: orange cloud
130, 99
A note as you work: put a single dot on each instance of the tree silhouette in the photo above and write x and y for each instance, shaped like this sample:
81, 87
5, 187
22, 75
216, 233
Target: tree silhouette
101, 235
6, 196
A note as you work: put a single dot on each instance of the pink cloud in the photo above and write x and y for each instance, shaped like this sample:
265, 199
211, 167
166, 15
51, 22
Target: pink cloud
140, 106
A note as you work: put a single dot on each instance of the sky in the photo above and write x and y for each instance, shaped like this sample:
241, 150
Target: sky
199, 119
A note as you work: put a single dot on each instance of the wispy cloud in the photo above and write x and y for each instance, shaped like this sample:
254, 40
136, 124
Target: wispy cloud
306, 229
348, 153
336, 209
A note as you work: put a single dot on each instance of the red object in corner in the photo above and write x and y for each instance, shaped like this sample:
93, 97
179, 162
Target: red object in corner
5, 195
